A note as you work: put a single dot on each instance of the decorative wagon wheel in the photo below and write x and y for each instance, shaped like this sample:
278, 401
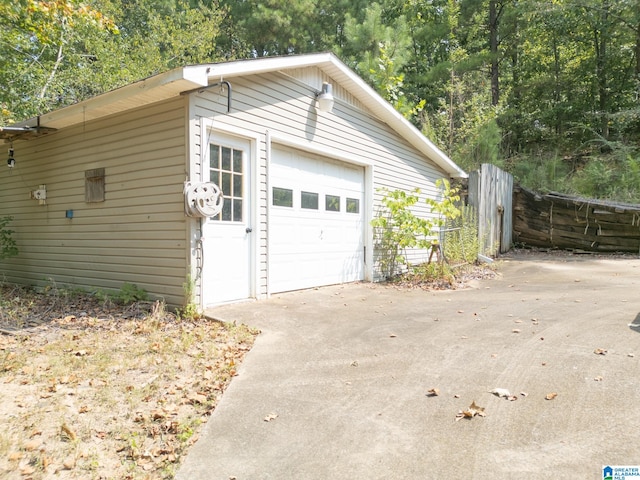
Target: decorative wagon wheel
203, 199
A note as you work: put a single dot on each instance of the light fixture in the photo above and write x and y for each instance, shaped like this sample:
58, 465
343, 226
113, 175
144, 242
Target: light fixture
325, 98
11, 162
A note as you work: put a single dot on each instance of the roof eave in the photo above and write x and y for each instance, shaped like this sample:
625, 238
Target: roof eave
143, 92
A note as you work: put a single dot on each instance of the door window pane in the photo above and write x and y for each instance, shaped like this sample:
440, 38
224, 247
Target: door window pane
332, 203
237, 185
237, 209
237, 161
226, 158
226, 184
353, 205
282, 197
214, 157
309, 200
226, 210
226, 171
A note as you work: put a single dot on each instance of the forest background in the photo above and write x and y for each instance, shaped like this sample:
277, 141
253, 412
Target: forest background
546, 89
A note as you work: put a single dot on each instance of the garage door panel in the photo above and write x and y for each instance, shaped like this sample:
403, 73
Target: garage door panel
312, 247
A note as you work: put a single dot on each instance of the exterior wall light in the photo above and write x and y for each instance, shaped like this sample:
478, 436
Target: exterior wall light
11, 162
325, 98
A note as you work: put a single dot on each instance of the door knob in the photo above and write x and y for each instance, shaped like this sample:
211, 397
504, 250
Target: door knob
248, 230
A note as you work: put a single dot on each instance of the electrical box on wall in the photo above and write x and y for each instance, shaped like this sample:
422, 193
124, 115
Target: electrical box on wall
40, 194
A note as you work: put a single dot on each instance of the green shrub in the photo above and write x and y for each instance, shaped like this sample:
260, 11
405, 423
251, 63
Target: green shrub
8, 246
460, 239
129, 293
397, 228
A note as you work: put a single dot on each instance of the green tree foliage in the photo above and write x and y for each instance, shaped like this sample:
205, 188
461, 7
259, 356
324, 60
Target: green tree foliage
60, 52
532, 85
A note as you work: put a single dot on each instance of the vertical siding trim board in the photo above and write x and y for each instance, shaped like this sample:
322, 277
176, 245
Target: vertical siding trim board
193, 228
269, 199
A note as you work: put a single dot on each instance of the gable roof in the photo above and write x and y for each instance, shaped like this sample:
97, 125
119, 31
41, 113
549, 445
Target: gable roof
180, 80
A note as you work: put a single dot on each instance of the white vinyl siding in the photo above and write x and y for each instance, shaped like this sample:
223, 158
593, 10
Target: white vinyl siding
137, 235
279, 104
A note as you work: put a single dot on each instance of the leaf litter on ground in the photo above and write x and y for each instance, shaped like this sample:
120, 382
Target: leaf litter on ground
90, 389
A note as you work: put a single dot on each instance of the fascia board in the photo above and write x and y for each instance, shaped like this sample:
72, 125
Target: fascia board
223, 71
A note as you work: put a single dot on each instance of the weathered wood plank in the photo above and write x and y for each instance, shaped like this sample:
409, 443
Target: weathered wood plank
559, 221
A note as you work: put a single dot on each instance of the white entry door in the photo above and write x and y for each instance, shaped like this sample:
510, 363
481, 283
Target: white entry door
227, 238
316, 221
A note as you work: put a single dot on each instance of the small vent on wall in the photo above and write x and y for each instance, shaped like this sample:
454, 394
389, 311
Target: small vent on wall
94, 185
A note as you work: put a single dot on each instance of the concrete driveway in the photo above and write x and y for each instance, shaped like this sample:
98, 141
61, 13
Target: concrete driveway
343, 373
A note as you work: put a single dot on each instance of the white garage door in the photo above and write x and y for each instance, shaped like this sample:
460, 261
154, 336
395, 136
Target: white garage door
316, 221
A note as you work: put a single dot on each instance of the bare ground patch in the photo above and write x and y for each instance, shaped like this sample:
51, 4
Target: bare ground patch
89, 389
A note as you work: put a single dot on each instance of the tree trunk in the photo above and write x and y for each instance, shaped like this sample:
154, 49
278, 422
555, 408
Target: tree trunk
493, 46
600, 43
637, 70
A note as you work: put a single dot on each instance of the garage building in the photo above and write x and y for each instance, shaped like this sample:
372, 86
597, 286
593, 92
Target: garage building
102, 192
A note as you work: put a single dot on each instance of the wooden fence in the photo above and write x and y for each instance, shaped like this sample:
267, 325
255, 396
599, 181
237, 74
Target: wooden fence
561, 221
490, 192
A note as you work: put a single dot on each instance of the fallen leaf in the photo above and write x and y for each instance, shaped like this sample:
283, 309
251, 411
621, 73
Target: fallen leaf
630, 355
69, 433
32, 444
83, 409
551, 396
27, 470
512, 398
600, 351
471, 412
158, 414
15, 456
196, 398
69, 463
500, 392
524, 394
515, 330
434, 392
271, 416
393, 335
598, 378
81, 353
